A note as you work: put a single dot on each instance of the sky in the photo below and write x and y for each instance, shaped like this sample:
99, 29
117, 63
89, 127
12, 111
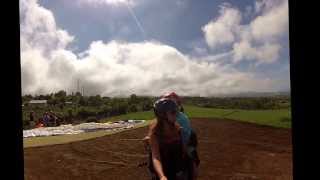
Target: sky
143, 47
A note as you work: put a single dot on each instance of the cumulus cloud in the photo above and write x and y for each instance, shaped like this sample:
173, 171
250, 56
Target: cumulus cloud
38, 28
267, 53
258, 40
272, 23
117, 68
222, 30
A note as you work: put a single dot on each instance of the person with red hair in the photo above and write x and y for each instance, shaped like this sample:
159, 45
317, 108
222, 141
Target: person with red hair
167, 158
189, 137
182, 118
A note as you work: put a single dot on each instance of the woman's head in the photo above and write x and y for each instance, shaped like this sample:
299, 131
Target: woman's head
165, 110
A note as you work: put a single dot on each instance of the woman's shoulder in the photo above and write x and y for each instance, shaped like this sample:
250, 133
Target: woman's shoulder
152, 128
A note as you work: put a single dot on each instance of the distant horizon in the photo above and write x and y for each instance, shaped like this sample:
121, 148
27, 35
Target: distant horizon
143, 95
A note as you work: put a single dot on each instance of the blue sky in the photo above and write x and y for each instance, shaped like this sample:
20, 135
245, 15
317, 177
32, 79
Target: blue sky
250, 37
167, 21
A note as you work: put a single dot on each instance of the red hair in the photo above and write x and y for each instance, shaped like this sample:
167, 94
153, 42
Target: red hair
172, 95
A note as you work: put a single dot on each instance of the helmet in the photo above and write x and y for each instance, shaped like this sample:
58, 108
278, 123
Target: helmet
164, 105
172, 95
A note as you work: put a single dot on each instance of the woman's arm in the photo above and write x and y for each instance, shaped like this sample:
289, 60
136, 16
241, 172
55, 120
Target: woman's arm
156, 157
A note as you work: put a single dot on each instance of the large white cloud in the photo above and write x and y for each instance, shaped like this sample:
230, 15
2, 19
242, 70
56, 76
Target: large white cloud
38, 28
222, 30
117, 68
258, 40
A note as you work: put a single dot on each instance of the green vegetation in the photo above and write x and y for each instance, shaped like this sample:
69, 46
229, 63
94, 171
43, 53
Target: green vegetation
250, 103
145, 115
275, 118
76, 108
273, 111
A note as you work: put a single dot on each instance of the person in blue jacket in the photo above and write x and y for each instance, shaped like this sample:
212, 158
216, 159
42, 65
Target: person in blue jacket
189, 136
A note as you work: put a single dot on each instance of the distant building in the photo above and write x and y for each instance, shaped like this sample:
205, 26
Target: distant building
38, 102
68, 102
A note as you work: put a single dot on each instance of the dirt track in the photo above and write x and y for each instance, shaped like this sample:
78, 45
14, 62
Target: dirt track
228, 150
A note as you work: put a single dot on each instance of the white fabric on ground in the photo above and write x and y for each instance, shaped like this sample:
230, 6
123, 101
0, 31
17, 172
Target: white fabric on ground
80, 128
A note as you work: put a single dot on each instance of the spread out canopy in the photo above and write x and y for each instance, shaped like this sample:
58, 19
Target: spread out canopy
80, 128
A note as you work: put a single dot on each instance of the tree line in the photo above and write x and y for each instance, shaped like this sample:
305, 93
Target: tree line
75, 108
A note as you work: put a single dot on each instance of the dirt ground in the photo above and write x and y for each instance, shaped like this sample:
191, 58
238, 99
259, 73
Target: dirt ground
228, 150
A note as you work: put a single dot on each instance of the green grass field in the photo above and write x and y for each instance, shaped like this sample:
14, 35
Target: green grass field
276, 118
146, 115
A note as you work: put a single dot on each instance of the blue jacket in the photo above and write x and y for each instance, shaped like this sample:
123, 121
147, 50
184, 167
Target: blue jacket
184, 122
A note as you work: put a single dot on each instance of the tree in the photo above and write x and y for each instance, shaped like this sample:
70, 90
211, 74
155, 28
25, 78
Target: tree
60, 97
95, 100
123, 108
70, 114
60, 94
119, 107
106, 110
52, 101
133, 99
44, 97
147, 105
83, 101
133, 108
